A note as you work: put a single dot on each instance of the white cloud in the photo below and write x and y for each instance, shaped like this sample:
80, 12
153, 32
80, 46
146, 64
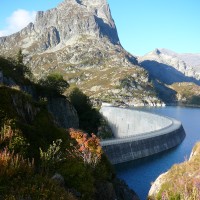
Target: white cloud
18, 20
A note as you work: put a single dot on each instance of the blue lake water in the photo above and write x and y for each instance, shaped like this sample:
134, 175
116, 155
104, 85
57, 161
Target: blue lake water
139, 174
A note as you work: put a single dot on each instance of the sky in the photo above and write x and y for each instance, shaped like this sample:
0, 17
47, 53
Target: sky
142, 25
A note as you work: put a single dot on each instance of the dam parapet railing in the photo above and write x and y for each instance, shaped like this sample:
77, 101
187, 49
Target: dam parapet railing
167, 133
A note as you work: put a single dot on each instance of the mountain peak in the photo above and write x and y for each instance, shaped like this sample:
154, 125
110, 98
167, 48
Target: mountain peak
157, 51
79, 39
100, 8
167, 52
89, 2
64, 25
73, 18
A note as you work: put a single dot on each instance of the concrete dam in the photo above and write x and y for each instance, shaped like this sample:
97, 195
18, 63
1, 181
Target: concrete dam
139, 134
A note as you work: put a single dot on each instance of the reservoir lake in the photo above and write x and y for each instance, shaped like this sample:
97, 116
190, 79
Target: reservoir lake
139, 174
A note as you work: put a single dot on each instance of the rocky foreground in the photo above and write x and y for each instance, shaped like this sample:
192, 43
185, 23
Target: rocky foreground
182, 181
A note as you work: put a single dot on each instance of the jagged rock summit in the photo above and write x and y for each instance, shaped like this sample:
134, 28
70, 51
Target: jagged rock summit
71, 19
79, 39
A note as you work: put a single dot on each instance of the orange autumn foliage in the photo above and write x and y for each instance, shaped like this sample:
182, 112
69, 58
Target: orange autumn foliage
88, 148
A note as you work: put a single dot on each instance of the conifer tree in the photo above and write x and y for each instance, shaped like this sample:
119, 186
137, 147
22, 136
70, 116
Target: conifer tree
20, 57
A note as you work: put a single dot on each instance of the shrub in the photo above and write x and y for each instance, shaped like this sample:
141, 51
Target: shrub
78, 176
52, 156
12, 138
89, 118
6, 132
18, 144
54, 83
12, 164
88, 148
104, 131
15, 69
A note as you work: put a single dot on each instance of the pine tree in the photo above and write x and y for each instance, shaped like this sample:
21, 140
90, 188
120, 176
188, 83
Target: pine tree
20, 57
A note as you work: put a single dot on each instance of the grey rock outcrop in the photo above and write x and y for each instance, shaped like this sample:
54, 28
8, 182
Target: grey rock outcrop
171, 67
79, 39
57, 26
63, 112
25, 109
190, 59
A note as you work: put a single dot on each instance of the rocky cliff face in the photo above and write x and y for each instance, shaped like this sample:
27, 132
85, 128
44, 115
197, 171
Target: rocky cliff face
191, 59
63, 112
79, 39
171, 67
176, 77
57, 26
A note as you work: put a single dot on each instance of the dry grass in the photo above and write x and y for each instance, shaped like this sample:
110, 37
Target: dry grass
183, 180
186, 89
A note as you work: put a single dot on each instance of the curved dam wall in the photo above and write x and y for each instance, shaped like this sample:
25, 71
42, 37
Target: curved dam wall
139, 134
127, 122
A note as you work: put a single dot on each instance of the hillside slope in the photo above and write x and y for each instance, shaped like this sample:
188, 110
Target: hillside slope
168, 66
173, 75
39, 159
181, 181
79, 40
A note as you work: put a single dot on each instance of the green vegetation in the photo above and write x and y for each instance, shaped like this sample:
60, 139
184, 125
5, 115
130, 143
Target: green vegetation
18, 72
182, 181
194, 100
187, 93
20, 57
104, 131
89, 118
54, 83
33, 148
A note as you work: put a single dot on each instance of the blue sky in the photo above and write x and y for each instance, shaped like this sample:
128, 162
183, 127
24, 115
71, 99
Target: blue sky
142, 25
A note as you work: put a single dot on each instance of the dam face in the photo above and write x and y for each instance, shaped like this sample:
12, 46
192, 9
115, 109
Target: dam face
139, 134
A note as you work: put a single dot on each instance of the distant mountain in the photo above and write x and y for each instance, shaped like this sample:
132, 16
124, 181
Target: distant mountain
171, 67
176, 77
79, 39
191, 59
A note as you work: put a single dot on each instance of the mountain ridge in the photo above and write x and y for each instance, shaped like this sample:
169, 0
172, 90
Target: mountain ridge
174, 75
186, 63
191, 59
79, 40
